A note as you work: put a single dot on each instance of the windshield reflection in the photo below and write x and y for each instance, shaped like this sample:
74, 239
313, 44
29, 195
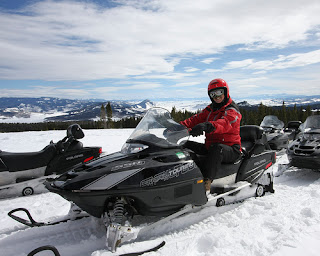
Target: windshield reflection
156, 129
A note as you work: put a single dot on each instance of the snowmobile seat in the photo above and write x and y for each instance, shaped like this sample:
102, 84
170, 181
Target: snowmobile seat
75, 145
253, 139
30, 160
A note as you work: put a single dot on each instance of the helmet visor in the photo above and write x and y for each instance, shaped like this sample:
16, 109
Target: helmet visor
216, 93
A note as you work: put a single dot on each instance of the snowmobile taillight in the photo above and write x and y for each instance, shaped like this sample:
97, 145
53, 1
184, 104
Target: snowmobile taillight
88, 159
268, 165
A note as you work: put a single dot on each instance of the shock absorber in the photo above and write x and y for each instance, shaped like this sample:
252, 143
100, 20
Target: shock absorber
118, 210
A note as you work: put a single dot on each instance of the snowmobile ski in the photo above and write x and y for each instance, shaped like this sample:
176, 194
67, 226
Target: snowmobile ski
156, 248
56, 252
30, 222
44, 248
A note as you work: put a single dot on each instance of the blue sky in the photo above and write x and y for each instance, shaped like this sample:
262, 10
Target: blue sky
158, 49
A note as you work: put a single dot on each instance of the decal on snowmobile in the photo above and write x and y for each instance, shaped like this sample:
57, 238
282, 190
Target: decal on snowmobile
180, 155
74, 157
108, 181
260, 162
127, 165
168, 174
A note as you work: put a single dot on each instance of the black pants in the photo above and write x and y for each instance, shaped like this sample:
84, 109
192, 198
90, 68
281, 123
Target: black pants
216, 154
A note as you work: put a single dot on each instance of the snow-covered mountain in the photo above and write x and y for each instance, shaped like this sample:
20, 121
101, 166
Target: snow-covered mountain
53, 109
27, 110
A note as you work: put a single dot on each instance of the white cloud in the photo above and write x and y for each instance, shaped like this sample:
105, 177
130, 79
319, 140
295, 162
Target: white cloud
209, 60
190, 69
186, 84
282, 62
65, 40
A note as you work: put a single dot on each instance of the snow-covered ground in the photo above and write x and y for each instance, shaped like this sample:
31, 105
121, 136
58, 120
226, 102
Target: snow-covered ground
284, 223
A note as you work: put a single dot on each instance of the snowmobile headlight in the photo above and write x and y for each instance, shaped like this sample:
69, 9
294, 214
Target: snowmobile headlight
131, 148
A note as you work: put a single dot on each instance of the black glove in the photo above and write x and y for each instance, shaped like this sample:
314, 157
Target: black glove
200, 128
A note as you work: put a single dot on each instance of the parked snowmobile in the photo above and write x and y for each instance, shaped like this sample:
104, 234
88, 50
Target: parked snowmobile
292, 129
155, 175
24, 173
276, 137
304, 152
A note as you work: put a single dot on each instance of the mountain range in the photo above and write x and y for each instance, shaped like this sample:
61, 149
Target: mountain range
55, 109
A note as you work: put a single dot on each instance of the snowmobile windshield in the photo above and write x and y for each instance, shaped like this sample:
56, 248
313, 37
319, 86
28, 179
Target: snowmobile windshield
156, 129
311, 123
271, 122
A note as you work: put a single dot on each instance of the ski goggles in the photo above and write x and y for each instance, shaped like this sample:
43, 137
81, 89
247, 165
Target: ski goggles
216, 93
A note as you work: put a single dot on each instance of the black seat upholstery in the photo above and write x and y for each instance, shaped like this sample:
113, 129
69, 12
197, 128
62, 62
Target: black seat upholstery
253, 139
28, 160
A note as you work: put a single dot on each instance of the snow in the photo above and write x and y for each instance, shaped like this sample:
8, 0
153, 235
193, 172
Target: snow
280, 224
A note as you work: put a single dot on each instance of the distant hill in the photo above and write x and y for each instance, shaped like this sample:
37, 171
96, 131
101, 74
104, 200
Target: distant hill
55, 109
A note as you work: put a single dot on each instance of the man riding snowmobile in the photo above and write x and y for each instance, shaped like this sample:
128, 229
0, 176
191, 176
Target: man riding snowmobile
221, 123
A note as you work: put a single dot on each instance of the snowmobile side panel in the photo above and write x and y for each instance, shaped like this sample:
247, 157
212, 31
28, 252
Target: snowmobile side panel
63, 162
3, 167
227, 174
252, 168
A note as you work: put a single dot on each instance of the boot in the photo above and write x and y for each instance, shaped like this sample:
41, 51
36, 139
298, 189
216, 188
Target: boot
207, 185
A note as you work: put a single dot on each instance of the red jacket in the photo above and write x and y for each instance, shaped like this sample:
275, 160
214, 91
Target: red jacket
226, 121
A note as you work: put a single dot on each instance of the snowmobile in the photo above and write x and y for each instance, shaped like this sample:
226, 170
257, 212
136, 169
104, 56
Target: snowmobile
304, 152
274, 129
292, 129
155, 175
22, 174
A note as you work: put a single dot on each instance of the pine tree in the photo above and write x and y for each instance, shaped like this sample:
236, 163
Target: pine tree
109, 114
103, 116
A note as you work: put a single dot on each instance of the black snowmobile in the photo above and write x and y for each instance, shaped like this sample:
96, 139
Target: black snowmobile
304, 152
155, 175
274, 130
24, 173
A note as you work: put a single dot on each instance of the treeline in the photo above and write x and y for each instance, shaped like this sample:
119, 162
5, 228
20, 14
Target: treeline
284, 113
250, 115
255, 115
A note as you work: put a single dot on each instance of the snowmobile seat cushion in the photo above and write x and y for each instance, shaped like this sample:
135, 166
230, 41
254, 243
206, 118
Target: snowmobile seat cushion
75, 145
250, 133
252, 139
29, 160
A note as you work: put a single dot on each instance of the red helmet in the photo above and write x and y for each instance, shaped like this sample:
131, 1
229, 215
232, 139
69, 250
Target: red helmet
219, 83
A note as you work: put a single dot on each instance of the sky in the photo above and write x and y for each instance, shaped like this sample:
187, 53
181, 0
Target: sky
153, 49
